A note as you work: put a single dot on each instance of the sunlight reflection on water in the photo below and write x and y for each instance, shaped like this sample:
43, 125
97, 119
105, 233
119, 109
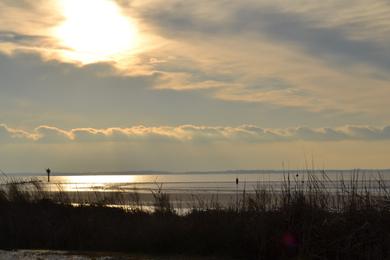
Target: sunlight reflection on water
168, 182
190, 183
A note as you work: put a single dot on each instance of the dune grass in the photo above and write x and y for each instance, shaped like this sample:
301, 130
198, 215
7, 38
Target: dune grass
309, 217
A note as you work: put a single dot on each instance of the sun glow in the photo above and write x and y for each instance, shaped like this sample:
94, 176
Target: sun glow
95, 30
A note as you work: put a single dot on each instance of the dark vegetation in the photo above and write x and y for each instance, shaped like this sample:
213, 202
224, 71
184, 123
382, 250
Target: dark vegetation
305, 220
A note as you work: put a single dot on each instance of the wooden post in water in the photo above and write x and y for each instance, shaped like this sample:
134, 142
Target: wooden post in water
48, 174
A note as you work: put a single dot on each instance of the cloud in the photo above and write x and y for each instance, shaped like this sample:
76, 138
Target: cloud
52, 134
329, 27
12, 135
323, 50
316, 57
27, 21
185, 81
19, 38
264, 91
329, 43
193, 134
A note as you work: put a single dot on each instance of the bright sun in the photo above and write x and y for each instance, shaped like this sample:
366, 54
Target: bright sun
95, 30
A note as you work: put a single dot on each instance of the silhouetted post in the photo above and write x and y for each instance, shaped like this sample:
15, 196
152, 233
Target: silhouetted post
48, 174
237, 194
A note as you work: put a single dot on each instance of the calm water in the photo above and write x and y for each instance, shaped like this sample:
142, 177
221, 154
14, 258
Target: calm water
203, 182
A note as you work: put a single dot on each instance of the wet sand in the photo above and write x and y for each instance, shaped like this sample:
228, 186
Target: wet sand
62, 255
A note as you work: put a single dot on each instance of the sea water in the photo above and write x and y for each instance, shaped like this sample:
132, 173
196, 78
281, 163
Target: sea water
206, 182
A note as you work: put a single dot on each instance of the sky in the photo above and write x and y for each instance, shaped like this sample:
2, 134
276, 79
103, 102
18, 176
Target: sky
195, 85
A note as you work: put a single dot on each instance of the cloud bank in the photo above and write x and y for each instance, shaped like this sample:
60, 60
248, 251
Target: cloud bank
193, 133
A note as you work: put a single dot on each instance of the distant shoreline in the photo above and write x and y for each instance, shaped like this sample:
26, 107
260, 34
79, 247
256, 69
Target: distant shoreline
262, 171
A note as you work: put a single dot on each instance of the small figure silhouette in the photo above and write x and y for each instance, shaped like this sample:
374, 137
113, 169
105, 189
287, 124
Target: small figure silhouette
48, 171
237, 194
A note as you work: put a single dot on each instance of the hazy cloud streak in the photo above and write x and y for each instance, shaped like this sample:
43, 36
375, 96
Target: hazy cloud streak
193, 133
